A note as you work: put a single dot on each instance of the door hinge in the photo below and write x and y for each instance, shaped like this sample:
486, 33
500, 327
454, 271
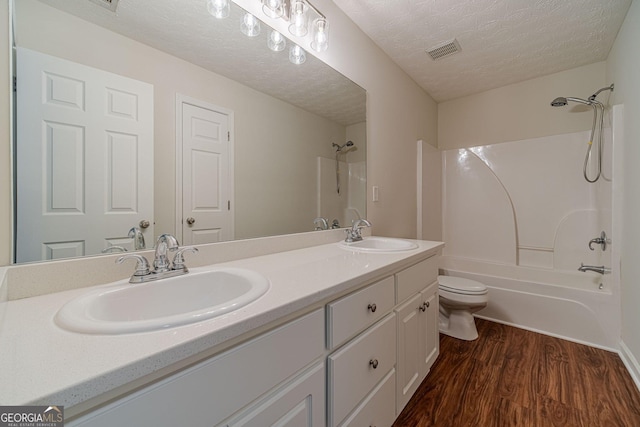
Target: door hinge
15, 84
228, 136
228, 205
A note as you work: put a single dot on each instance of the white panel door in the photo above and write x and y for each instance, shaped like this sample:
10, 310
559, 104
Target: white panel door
84, 158
207, 215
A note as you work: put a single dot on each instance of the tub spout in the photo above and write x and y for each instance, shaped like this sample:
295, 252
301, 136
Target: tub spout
598, 269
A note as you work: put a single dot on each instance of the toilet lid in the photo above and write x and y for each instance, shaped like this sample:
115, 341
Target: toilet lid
459, 285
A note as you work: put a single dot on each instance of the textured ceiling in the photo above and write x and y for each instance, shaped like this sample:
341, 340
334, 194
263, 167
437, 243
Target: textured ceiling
186, 30
502, 41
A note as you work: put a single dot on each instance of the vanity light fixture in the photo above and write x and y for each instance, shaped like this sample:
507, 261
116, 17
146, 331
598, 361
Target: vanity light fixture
273, 8
296, 12
298, 18
276, 41
219, 8
320, 35
297, 55
250, 25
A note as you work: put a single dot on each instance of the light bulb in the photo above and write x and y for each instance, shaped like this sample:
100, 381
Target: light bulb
320, 35
250, 25
219, 8
276, 41
273, 8
297, 55
298, 26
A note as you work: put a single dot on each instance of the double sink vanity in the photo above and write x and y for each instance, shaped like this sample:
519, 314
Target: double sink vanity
334, 333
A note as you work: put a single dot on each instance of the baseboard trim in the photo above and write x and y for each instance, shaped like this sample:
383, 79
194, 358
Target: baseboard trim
631, 363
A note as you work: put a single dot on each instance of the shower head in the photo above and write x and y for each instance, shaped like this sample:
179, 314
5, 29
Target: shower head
340, 147
562, 101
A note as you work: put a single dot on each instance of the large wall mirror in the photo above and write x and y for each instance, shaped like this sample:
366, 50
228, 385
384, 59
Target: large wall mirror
159, 118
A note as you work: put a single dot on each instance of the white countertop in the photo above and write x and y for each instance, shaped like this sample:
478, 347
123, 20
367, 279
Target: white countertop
42, 364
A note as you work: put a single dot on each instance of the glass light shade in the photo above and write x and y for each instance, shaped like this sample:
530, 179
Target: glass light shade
219, 8
320, 35
298, 18
276, 41
250, 25
297, 55
273, 8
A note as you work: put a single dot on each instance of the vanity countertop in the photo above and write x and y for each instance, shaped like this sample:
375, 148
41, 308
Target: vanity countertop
42, 364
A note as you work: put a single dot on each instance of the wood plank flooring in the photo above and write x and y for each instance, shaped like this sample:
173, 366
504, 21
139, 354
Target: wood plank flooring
512, 377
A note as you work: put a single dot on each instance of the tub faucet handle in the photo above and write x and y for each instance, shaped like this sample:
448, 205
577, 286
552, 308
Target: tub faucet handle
602, 241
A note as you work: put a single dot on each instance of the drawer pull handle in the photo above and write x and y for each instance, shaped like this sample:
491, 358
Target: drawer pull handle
427, 304
373, 363
372, 307
423, 307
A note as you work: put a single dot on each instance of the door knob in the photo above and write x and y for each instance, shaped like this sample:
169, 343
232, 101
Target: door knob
144, 223
191, 220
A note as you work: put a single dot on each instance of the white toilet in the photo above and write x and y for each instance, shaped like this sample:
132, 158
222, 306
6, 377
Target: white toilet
459, 298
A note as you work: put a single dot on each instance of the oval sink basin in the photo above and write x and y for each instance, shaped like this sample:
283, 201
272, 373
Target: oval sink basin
380, 244
125, 308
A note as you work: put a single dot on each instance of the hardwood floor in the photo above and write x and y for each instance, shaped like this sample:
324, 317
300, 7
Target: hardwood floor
513, 377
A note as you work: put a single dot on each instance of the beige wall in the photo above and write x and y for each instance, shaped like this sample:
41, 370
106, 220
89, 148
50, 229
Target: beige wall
399, 113
521, 110
274, 188
623, 67
6, 234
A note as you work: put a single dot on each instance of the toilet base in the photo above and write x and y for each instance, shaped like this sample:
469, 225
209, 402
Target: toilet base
458, 324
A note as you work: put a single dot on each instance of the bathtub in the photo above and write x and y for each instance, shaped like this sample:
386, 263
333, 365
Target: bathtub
565, 304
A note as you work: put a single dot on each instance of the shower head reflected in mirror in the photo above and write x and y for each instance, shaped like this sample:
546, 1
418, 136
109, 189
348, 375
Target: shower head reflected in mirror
340, 147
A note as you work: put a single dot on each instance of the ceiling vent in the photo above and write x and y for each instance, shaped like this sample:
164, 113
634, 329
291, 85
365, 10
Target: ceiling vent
107, 4
444, 49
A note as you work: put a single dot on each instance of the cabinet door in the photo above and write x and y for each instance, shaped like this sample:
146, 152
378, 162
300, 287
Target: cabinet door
410, 361
378, 409
300, 403
430, 335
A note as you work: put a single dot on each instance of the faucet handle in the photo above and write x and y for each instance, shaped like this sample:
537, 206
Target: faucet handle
178, 258
142, 267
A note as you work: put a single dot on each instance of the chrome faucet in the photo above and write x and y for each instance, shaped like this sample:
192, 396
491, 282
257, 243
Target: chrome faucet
162, 268
165, 242
354, 234
138, 238
602, 241
598, 269
321, 223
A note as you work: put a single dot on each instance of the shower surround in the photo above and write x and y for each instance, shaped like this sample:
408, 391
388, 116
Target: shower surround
519, 216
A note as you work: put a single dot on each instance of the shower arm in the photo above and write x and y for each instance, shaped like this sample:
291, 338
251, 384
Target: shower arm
593, 97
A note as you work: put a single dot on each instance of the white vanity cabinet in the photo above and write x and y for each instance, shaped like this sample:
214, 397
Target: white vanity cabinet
355, 362
215, 389
418, 336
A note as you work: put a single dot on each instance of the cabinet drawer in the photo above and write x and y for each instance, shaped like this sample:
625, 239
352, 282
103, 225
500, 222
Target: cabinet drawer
378, 409
351, 369
356, 312
415, 278
211, 391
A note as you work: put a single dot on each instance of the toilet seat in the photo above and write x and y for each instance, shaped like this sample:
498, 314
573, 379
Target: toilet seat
458, 285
